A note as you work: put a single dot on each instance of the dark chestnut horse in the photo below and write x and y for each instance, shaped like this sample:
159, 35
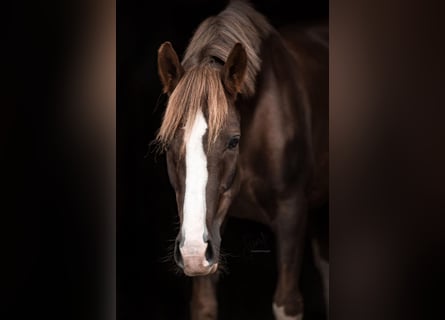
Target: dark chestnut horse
246, 134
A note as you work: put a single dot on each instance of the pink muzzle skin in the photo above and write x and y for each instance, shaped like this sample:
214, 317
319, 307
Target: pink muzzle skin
194, 259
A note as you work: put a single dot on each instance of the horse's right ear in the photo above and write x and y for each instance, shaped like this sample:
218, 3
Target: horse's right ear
169, 68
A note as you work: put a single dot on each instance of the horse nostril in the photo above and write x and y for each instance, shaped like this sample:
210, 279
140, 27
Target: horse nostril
209, 254
178, 256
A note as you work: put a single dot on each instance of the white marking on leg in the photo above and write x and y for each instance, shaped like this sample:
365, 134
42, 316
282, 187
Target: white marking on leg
280, 314
194, 210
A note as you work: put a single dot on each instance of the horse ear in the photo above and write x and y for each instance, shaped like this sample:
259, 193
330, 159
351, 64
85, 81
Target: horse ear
169, 68
234, 70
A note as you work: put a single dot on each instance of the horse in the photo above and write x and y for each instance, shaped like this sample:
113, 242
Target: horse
245, 134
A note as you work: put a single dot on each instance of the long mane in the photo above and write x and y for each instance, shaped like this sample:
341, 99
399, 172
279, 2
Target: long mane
201, 88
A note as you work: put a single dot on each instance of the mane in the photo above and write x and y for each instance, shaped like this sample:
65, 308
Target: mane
200, 88
201, 85
216, 36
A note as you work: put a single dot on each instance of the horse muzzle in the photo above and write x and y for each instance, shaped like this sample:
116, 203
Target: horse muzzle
196, 258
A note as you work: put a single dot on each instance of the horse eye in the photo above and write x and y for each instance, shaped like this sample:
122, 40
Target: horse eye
233, 142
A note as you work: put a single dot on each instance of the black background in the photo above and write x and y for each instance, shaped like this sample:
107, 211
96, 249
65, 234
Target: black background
147, 285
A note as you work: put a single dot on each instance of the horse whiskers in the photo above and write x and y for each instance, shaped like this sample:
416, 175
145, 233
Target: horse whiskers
172, 267
222, 264
169, 256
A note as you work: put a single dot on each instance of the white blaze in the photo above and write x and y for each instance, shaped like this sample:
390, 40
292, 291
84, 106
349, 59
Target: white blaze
194, 210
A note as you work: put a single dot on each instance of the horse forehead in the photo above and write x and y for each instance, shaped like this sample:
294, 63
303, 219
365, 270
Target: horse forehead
199, 127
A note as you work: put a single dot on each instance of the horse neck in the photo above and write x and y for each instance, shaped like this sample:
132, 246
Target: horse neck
278, 111
281, 82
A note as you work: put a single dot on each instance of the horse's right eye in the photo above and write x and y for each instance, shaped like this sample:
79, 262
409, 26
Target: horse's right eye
233, 142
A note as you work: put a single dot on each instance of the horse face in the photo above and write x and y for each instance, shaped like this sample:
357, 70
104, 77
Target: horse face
204, 179
202, 169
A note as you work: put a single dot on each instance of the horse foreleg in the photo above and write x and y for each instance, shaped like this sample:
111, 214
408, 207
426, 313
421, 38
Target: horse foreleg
204, 304
290, 227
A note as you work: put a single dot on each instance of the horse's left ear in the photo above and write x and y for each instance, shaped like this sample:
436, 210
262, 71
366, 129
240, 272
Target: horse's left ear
234, 70
169, 67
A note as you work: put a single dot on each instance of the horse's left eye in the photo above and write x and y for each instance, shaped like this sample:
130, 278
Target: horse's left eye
233, 142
